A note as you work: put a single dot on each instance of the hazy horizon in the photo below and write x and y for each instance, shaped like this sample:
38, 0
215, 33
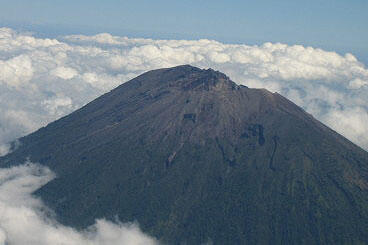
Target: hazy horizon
331, 25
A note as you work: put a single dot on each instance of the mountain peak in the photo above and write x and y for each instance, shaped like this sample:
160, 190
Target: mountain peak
188, 77
208, 80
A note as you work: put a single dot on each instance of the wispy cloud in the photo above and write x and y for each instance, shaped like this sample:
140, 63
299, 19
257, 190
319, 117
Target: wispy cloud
44, 79
24, 220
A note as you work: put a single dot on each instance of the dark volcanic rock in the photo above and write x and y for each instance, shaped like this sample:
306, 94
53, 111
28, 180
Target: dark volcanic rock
193, 157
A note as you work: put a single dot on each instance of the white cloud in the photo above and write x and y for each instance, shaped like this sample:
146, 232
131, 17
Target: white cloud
4, 149
357, 83
58, 105
64, 72
43, 79
23, 219
16, 71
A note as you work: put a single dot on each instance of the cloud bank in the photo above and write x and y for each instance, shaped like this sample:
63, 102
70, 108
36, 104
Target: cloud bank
25, 220
44, 79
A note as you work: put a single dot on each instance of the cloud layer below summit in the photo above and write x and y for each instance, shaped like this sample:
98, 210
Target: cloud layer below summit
25, 220
44, 79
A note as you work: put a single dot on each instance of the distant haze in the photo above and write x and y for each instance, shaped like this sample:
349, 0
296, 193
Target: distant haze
331, 24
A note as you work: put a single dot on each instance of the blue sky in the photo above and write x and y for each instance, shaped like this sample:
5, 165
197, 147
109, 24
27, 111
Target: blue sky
337, 25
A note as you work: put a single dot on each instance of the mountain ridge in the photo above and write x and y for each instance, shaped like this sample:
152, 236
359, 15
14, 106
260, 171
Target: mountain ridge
194, 157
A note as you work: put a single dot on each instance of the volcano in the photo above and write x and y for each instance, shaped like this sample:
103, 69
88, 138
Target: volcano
195, 158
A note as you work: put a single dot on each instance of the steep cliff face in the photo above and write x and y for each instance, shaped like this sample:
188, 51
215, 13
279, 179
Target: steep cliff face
194, 158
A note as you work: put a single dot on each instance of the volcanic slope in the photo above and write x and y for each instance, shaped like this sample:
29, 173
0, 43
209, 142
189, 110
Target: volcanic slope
195, 158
